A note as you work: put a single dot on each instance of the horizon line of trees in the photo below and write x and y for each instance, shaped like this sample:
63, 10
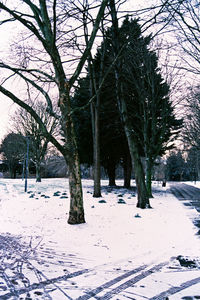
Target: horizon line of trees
179, 165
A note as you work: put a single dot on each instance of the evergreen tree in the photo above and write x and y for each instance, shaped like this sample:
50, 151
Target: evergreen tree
111, 130
175, 166
13, 149
149, 117
147, 95
82, 119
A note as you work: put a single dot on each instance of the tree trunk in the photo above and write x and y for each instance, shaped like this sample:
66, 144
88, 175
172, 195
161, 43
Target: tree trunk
148, 179
95, 106
111, 172
38, 172
76, 213
143, 200
127, 170
96, 153
12, 172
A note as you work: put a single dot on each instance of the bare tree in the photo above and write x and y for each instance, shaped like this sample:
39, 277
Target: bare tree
51, 24
191, 128
24, 124
184, 25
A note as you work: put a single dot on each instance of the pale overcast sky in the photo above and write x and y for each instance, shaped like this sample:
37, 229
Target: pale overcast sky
6, 105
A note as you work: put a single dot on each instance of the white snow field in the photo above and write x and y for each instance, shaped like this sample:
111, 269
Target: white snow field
121, 252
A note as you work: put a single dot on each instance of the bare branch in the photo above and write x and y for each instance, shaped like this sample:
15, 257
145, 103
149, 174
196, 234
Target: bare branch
90, 43
34, 115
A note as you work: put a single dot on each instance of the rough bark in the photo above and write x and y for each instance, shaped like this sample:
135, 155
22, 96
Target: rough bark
142, 194
95, 133
149, 179
76, 213
127, 166
96, 154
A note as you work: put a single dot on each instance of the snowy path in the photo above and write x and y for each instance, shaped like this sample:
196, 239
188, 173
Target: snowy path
120, 253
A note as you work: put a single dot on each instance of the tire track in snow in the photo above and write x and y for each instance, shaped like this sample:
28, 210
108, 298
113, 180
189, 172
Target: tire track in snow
42, 284
19, 260
124, 285
43, 281
175, 289
9, 284
108, 284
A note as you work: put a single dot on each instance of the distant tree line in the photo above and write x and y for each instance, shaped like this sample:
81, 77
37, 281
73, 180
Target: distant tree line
183, 166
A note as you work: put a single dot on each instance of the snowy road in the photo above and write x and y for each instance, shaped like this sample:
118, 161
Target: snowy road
190, 196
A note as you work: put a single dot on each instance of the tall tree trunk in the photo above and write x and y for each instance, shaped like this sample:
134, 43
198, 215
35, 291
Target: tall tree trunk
95, 133
127, 166
143, 200
96, 153
148, 178
95, 105
76, 212
142, 194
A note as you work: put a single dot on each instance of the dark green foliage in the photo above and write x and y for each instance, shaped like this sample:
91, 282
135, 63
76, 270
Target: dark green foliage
147, 95
176, 167
150, 111
111, 130
13, 148
180, 169
82, 118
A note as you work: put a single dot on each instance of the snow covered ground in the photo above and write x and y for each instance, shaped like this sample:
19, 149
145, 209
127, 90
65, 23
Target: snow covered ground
122, 252
193, 183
